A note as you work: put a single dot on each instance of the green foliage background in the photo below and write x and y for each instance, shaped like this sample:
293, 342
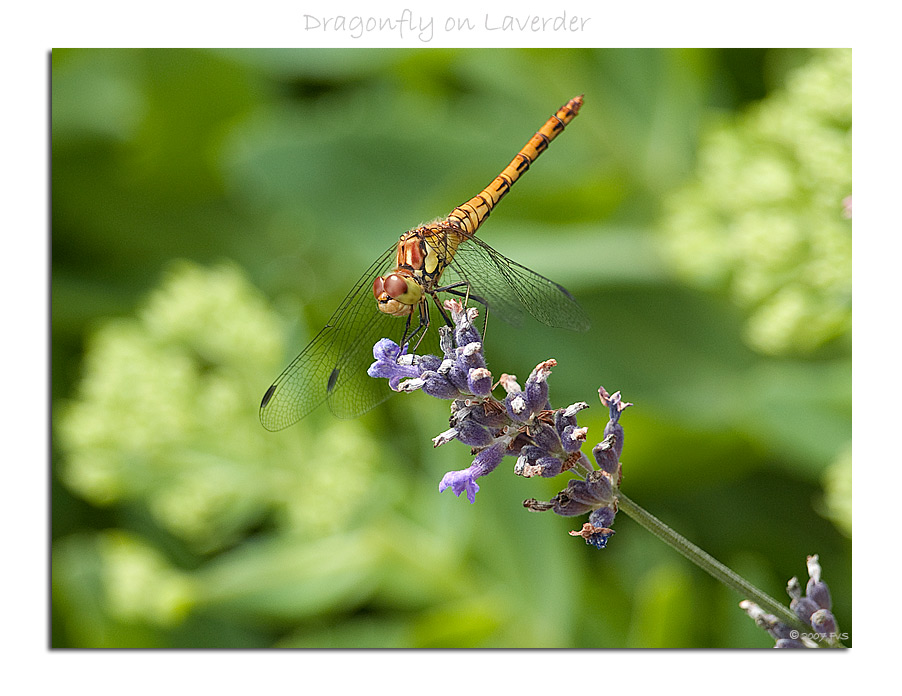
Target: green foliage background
211, 208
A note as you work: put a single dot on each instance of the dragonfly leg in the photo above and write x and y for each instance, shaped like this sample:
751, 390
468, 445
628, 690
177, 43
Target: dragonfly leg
420, 330
441, 311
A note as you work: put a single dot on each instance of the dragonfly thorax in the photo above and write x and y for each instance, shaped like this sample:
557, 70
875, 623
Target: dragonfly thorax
397, 293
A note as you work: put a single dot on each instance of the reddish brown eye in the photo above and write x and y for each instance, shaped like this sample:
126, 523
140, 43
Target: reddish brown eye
378, 288
395, 285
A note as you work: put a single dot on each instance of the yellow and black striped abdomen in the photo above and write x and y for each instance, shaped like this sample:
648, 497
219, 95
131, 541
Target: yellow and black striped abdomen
470, 215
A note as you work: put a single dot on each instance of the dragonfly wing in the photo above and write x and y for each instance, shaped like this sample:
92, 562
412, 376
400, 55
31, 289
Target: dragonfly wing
333, 366
511, 289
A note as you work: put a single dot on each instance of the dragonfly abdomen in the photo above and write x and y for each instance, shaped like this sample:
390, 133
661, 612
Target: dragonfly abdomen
470, 215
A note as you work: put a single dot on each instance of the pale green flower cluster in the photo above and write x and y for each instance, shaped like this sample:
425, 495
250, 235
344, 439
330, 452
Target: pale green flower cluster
765, 215
166, 415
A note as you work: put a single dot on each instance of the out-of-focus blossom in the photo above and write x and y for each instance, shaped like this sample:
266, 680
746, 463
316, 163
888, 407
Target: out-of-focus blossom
767, 217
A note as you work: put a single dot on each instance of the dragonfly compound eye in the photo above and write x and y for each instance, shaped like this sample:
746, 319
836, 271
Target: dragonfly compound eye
395, 286
378, 287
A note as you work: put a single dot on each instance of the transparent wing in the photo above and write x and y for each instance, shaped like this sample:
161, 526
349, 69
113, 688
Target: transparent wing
509, 288
333, 366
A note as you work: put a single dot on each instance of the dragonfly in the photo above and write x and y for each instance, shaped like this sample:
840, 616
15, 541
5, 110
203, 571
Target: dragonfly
444, 256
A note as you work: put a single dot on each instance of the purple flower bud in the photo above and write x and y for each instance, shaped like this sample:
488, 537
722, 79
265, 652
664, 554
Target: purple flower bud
479, 381
565, 506
613, 435
429, 362
533, 453
549, 466
528, 462
470, 356
436, 385
819, 593
600, 486
816, 589
464, 330
579, 491
566, 417
457, 377
613, 402
803, 608
472, 433
594, 490
608, 460
546, 437
572, 438
517, 407
537, 386
489, 458
824, 623
603, 517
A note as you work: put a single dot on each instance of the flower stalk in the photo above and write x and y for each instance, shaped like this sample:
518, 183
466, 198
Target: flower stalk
707, 562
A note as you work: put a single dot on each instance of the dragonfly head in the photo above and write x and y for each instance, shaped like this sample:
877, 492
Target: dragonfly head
397, 294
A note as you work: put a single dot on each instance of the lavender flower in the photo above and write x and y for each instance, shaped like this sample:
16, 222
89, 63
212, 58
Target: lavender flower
393, 363
813, 609
545, 441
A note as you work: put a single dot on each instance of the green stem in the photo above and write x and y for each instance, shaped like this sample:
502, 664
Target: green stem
710, 564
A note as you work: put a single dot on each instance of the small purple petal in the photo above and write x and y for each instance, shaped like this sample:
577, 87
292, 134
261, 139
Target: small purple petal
465, 480
458, 482
387, 353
